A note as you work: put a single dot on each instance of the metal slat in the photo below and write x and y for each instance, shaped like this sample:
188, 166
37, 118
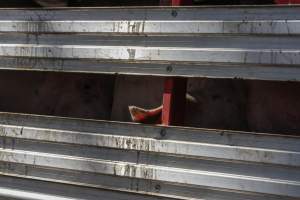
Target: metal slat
225, 42
20, 188
230, 13
171, 54
91, 192
173, 147
245, 164
15, 194
222, 70
154, 27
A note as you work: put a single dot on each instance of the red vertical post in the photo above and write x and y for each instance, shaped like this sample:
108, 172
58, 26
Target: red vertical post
181, 2
175, 2
174, 101
174, 97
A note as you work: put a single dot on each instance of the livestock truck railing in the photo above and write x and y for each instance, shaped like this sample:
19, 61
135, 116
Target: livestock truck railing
243, 42
62, 158
157, 162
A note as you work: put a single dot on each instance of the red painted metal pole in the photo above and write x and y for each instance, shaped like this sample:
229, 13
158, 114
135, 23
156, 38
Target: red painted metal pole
174, 97
175, 2
181, 2
174, 101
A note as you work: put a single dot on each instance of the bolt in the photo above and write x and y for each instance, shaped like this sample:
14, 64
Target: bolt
174, 13
157, 187
163, 133
169, 68
222, 133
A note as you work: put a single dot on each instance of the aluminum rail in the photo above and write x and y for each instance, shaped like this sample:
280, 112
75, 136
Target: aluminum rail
220, 42
42, 155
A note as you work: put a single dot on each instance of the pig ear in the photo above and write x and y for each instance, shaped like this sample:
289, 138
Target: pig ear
137, 114
191, 98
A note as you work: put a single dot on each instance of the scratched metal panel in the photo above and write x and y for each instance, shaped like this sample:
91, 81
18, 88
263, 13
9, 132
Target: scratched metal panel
224, 42
87, 159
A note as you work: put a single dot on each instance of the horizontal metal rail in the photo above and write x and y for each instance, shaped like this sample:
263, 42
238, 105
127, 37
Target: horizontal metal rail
223, 42
165, 162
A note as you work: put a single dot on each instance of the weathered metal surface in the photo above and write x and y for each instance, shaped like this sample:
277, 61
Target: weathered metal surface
61, 158
162, 162
229, 42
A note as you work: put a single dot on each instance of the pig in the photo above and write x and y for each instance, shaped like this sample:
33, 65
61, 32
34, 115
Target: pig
152, 116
